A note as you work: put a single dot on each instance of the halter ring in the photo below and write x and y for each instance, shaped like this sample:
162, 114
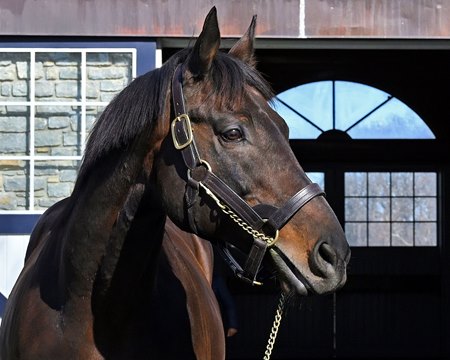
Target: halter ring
273, 239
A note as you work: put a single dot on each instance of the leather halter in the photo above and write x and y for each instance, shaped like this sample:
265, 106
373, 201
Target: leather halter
259, 221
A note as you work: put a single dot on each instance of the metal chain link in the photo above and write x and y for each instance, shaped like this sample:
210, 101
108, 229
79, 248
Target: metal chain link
226, 210
275, 327
270, 241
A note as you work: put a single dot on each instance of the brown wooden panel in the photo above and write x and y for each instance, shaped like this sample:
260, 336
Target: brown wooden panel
145, 17
184, 18
377, 18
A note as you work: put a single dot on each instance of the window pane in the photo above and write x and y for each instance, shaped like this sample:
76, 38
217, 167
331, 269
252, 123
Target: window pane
402, 234
14, 76
425, 184
425, 234
53, 181
356, 209
298, 127
58, 76
402, 209
107, 74
14, 133
379, 184
356, 234
402, 184
355, 184
379, 209
57, 130
379, 234
353, 101
425, 209
394, 120
14, 185
314, 101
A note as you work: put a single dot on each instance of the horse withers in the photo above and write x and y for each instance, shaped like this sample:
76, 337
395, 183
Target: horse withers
195, 141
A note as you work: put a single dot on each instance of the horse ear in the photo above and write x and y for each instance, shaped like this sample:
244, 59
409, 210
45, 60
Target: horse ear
206, 46
244, 49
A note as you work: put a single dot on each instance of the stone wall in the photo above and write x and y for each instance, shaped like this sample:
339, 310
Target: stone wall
55, 111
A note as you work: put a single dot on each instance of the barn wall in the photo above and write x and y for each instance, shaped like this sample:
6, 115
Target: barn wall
184, 18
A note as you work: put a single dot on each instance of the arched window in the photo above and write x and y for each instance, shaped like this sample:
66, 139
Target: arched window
354, 110
389, 208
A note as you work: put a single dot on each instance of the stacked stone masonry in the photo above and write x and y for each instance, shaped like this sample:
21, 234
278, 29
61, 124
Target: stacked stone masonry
55, 104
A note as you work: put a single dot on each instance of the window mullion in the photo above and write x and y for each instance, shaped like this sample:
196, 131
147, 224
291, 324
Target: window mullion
83, 100
32, 127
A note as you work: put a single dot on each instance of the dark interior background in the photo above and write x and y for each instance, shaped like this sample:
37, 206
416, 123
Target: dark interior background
395, 303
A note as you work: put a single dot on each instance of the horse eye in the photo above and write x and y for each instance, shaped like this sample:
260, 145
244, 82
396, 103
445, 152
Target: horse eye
232, 135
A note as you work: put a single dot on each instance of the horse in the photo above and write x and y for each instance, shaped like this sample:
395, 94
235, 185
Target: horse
184, 278
197, 142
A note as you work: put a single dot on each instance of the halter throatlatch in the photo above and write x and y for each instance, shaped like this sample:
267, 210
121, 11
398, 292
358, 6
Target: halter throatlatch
262, 222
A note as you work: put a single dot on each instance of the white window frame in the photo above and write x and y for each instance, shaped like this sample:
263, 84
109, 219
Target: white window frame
31, 104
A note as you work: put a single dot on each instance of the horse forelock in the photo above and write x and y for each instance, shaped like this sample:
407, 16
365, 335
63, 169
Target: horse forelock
229, 79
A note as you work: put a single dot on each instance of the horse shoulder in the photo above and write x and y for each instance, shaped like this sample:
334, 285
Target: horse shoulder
191, 260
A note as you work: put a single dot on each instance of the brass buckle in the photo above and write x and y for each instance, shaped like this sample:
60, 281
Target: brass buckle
190, 136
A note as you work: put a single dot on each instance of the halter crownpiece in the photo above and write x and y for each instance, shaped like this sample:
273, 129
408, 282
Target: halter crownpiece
262, 222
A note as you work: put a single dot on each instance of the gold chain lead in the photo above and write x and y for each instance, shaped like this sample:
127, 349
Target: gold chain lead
270, 241
226, 210
275, 327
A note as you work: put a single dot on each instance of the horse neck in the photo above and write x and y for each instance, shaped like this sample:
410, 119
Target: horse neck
94, 210
128, 268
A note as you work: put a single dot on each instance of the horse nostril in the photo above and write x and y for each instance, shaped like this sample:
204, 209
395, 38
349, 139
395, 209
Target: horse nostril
327, 253
323, 260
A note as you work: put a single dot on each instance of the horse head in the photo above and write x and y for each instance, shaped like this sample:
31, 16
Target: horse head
225, 170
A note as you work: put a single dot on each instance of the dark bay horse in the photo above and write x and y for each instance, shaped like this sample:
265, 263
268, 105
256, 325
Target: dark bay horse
195, 142
182, 284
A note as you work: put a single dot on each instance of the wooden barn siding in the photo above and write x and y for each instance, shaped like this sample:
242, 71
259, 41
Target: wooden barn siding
184, 18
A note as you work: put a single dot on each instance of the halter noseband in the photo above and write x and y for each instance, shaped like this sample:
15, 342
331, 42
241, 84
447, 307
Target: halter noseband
259, 221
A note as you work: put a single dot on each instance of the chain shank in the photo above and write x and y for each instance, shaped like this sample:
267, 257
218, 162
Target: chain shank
246, 227
275, 328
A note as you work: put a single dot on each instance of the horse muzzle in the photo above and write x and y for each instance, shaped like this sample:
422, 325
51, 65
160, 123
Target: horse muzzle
324, 273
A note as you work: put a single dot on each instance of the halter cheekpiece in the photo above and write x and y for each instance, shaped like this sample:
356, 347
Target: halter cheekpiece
262, 222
